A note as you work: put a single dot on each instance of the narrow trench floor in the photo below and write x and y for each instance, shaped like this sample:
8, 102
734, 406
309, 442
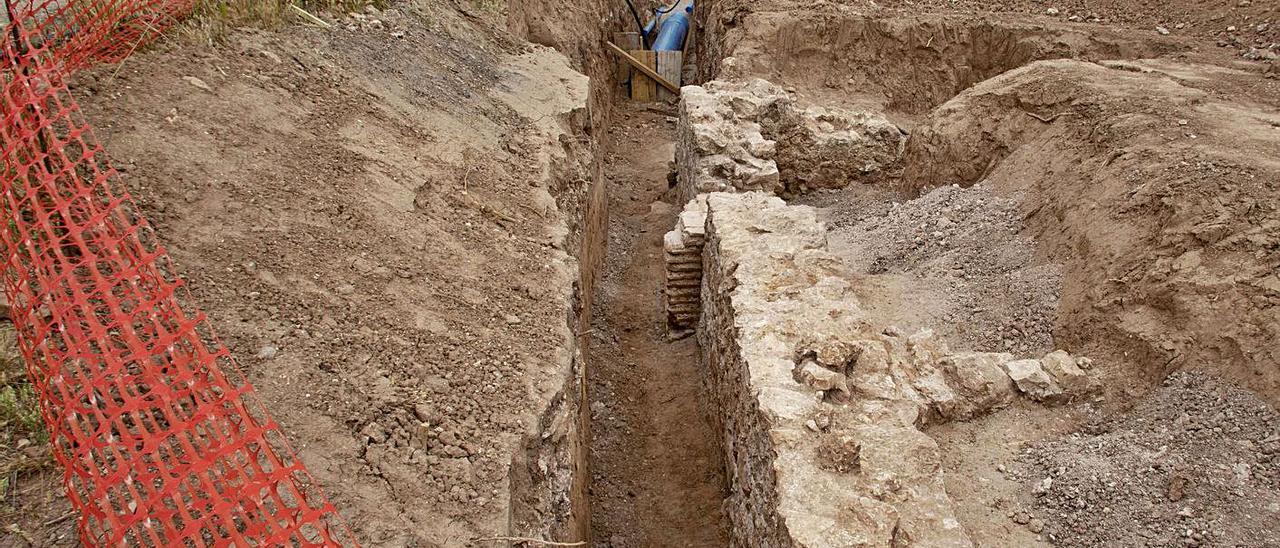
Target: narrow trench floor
657, 478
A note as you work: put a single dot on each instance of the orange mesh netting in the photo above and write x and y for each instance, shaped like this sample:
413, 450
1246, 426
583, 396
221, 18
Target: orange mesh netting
79, 33
159, 445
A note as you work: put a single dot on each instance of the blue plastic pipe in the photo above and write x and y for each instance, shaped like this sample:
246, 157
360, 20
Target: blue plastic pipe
657, 16
674, 29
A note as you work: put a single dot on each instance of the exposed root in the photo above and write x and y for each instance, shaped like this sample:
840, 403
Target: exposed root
1049, 119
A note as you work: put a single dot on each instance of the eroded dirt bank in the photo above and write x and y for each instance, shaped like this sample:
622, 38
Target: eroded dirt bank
386, 221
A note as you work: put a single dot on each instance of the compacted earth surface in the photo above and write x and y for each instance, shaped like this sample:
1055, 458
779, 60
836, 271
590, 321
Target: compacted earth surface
382, 219
657, 478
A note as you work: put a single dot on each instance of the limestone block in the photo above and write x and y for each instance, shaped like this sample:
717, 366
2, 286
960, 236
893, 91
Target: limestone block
719, 147
693, 224
938, 397
809, 373
980, 382
1031, 379
1062, 367
672, 242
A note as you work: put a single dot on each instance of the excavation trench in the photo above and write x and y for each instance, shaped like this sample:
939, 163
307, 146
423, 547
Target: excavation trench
660, 426
657, 476
400, 230
656, 459
975, 244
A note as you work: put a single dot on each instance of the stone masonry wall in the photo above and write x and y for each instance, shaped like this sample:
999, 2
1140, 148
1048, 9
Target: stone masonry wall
719, 146
821, 413
753, 135
682, 253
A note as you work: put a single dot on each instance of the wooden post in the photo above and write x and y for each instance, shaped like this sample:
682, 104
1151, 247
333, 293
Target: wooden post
629, 41
644, 88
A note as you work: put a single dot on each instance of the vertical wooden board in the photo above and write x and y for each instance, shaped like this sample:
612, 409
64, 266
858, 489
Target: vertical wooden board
628, 41
669, 67
644, 88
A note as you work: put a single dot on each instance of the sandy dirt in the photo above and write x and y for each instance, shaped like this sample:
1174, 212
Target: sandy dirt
657, 479
953, 261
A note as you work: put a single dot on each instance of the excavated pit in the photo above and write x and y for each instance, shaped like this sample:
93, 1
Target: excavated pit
899, 65
1001, 237
994, 259
864, 371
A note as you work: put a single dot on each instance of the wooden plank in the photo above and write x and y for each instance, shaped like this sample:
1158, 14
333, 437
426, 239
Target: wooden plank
643, 88
669, 66
647, 70
629, 41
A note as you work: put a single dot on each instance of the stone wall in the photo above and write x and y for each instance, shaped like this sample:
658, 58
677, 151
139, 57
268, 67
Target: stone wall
821, 413
682, 253
719, 146
749, 136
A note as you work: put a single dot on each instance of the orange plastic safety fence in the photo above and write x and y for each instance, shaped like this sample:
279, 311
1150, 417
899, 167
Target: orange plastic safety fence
160, 446
79, 33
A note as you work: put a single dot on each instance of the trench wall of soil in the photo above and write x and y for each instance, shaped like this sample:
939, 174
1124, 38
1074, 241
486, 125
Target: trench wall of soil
578, 30
843, 57
1160, 227
396, 225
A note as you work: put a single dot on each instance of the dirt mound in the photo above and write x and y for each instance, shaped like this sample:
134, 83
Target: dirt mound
834, 55
1248, 25
1154, 193
953, 260
1195, 463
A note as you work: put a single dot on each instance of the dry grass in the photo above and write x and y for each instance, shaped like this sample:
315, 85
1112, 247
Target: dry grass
26, 478
19, 408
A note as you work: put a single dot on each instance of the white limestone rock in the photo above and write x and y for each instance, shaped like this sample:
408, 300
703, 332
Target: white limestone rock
1031, 379
980, 381
1064, 369
819, 378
